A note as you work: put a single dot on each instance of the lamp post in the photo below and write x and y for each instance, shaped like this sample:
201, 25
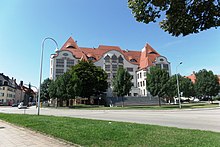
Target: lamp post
177, 82
41, 64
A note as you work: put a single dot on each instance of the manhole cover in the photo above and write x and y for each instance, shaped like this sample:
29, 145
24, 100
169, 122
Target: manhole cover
2, 127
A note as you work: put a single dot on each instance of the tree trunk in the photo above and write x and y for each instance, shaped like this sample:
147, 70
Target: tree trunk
122, 101
159, 101
67, 103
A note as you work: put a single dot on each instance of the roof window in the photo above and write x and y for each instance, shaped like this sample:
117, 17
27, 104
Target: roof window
70, 46
133, 60
152, 53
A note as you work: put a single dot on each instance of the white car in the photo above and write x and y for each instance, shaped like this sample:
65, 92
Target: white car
21, 106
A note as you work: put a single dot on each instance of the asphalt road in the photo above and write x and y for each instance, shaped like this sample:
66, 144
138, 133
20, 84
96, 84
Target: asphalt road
202, 119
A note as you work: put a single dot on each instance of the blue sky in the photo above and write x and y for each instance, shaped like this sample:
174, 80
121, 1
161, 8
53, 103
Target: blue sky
25, 23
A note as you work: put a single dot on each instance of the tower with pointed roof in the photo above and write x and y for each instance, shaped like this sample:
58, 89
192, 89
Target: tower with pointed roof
109, 58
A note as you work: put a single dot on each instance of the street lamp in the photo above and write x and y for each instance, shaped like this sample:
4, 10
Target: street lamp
177, 82
41, 63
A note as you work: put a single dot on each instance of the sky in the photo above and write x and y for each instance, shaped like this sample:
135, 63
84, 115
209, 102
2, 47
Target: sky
25, 23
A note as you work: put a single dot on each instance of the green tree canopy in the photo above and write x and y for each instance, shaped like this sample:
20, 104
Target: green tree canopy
44, 88
181, 16
186, 86
53, 89
122, 82
157, 82
206, 83
93, 79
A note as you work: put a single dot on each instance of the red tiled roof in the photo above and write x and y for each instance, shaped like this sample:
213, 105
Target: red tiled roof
192, 77
148, 56
144, 59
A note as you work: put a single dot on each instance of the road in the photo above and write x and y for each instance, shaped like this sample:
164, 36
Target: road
202, 119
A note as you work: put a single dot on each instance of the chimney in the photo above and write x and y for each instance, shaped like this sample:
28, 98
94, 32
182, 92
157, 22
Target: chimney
21, 83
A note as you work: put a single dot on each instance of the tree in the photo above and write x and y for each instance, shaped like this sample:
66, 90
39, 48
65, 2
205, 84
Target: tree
68, 87
93, 79
74, 87
53, 89
157, 82
44, 88
65, 87
122, 83
181, 16
101, 78
206, 84
185, 85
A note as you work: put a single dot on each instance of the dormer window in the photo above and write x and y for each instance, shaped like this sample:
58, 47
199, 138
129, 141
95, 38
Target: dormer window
152, 53
70, 46
107, 59
114, 59
120, 59
133, 60
91, 58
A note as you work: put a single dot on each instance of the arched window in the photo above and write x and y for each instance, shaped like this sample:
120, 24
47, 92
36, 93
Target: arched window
133, 60
120, 59
114, 59
107, 59
91, 58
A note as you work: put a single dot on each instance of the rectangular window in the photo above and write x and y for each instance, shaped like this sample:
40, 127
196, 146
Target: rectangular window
59, 71
59, 63
70, 63
140, 76
158, 65
129, 69
165, 66
143, 83
145, 74
114, 67
107, 67
1, 94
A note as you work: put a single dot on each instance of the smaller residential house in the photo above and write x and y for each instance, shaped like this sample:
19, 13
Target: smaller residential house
7, 90
11, 92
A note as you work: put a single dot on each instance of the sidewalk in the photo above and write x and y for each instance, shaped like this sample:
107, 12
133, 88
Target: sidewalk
14, 136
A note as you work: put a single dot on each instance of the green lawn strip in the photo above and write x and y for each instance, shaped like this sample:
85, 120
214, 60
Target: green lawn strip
87, 132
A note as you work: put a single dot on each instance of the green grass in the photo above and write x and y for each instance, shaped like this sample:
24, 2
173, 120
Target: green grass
102, 133
184, 106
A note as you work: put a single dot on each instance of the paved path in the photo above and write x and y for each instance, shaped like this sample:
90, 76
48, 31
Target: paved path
13, 136
202, 119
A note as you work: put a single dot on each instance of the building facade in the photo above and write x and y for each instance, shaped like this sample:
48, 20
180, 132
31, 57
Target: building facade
7, 90
109, 58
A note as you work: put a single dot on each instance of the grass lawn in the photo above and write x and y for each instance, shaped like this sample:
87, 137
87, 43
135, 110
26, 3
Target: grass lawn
184, 106
103, 133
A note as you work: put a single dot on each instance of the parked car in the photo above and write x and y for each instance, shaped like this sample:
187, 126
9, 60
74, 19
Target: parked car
21, 106
14, 105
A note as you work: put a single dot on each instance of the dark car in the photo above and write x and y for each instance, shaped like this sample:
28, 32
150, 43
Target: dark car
14, 105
